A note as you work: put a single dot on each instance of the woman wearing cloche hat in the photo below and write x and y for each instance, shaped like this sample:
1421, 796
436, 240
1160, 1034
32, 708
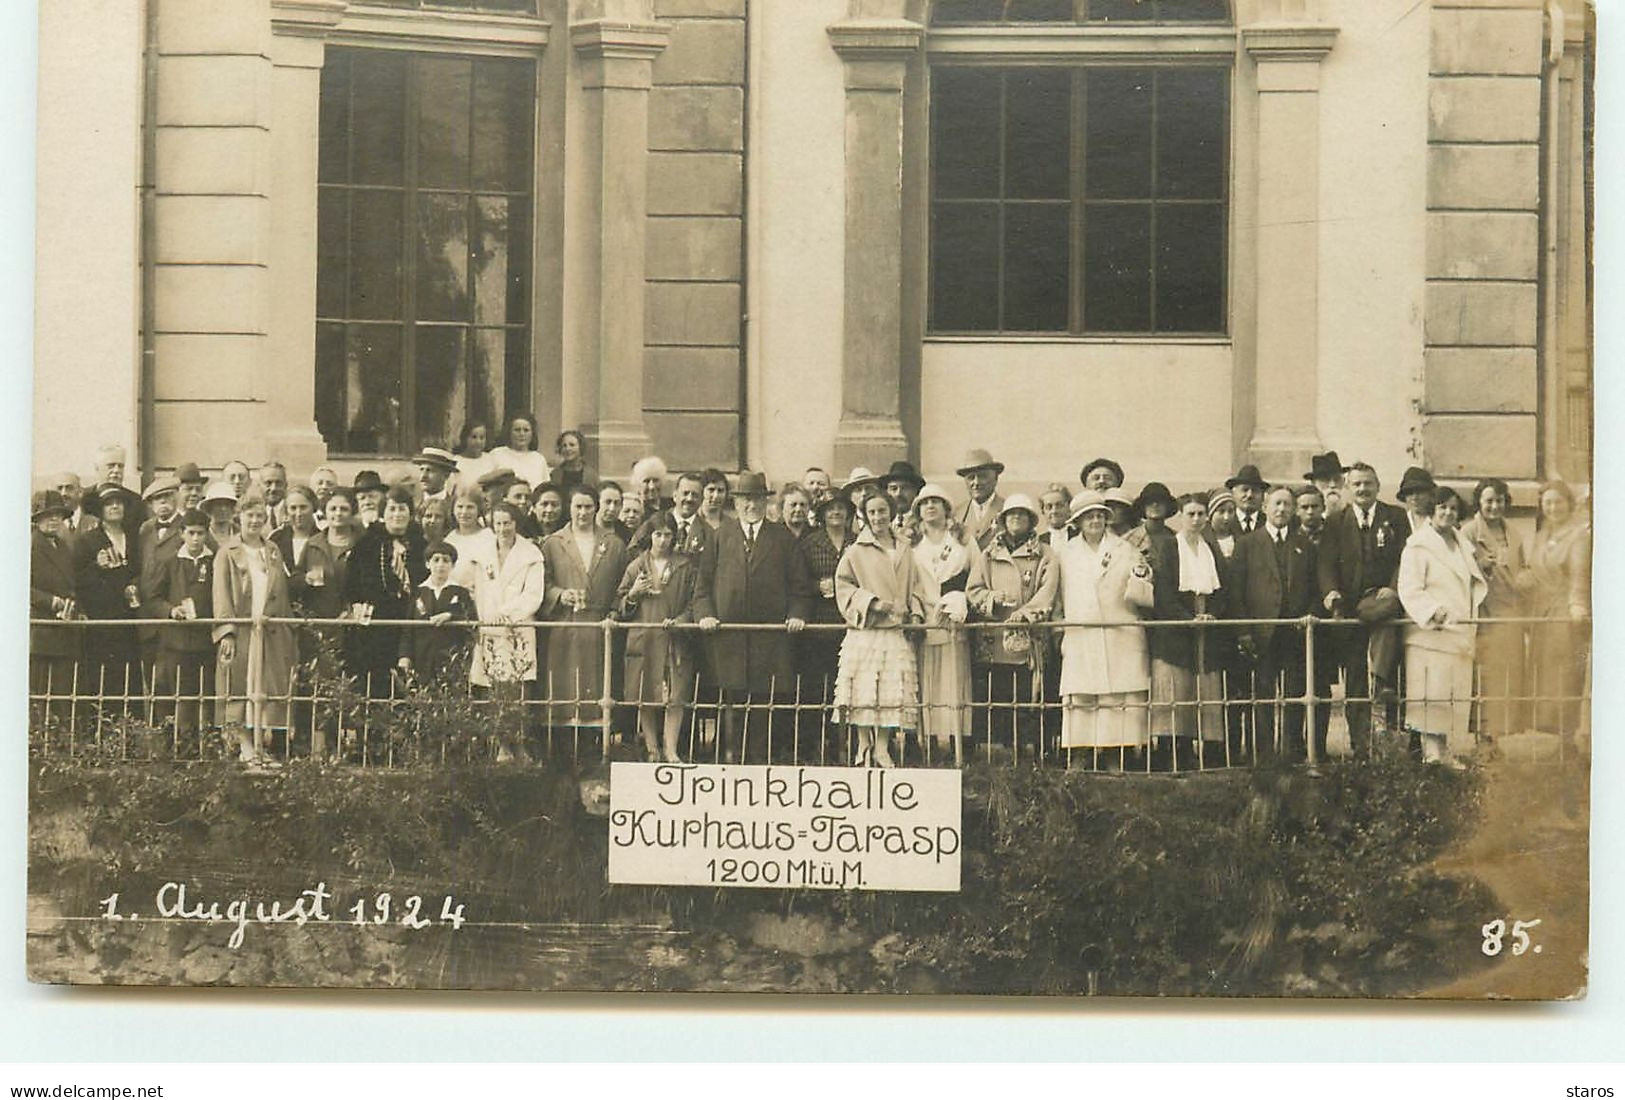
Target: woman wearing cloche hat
1105, 672
945, 563
1015, 582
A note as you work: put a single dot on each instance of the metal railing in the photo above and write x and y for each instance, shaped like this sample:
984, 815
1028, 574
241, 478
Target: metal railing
110, 707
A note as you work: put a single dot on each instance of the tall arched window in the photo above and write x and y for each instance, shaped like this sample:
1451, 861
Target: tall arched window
1080, 166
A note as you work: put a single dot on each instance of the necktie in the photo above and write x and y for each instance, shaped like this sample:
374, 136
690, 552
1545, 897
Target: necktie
750, 539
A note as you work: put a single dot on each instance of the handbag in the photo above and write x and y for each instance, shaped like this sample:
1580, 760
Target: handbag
1378, 606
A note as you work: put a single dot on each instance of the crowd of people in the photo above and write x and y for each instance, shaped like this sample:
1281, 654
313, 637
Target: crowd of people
1084, 620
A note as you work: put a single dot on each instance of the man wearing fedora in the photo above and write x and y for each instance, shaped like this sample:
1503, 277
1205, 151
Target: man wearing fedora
1248, 487
369, 492
980, 515
435, 466
751, 572
1328, 474
1358, 564
902, 483
52, 594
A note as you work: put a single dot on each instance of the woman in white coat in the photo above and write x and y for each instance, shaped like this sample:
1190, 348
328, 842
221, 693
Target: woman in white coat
509, 584
1440, 586
1105, 670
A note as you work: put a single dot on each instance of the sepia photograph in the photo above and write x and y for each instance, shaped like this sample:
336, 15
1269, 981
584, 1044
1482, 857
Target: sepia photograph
1057, 498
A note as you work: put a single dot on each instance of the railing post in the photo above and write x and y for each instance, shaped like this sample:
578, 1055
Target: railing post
606, 701
1311, 708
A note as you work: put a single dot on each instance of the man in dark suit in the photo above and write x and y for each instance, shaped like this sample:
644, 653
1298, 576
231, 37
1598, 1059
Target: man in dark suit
52, 650
1248, 487
1274, 573
751, 572
694, 535
1358, 565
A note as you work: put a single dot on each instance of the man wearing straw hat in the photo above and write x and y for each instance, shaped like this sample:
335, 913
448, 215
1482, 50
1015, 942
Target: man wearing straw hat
752, 571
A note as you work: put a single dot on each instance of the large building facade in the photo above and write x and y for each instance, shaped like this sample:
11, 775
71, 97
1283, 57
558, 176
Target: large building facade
772, 233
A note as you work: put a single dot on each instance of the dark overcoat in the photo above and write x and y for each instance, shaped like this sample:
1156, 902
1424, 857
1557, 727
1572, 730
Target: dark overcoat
1263, 590
1178, 646
1353, 564
51, 573
769, 584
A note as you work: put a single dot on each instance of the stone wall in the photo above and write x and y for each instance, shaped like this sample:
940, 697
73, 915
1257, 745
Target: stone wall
1483, 241
692, 398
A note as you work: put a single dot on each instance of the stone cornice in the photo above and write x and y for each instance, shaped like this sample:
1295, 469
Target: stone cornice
1288, 41
613, 39
307, 17
876, 39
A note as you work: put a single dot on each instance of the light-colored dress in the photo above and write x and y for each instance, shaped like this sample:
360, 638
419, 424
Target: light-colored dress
1502, 647
945, 566
530, 466
481, 545
877, 684
1436, 575
1105, 670
1558, 583
509, 592
253, 584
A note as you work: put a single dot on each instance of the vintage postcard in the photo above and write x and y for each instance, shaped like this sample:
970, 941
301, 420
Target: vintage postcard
1055, 497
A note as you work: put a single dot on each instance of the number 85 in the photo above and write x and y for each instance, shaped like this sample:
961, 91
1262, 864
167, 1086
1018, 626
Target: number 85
1495, 931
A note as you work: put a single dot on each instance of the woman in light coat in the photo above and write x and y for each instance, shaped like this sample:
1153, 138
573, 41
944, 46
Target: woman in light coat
1440, 586
508, 588
1503, 708
946, 557
254, 672
1105, 670
878, 590
1016, 582
1557, 584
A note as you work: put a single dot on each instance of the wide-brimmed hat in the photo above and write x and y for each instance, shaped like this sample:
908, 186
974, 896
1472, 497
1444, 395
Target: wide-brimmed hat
436, 456
221, 491
1247, 475
1020, 502
166, 483
858, 478
112, 490
902, 471
1416, 480
932, 491
978, 459
1155, 492
1097, 463
751, 484
1117, 496
1325, 467
502, 475
187, 473
368, 481
1089, 500
49, 502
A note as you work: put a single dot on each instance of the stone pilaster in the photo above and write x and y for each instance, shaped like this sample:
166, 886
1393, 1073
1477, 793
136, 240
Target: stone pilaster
616, 58
1482, 325
1288, 56
212, 216
877, 53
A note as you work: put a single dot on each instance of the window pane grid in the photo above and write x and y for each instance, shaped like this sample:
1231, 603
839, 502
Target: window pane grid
424, 321
1144, 230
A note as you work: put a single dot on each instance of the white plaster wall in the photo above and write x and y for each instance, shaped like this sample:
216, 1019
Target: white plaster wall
1373, 245
1044, 409
87, 312
796, 221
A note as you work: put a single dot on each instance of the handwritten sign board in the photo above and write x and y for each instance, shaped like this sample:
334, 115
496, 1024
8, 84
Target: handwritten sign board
779, 826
